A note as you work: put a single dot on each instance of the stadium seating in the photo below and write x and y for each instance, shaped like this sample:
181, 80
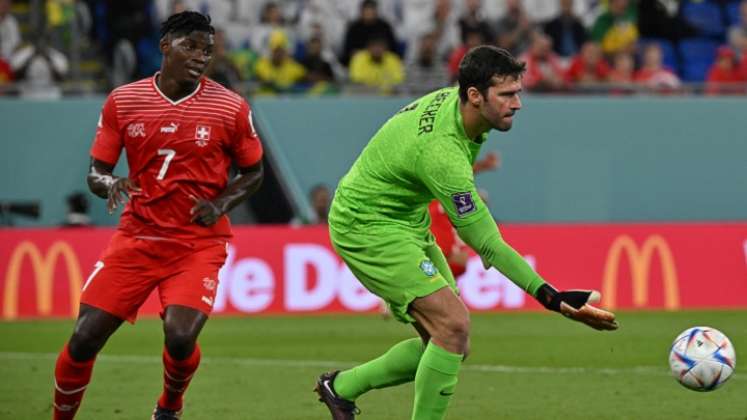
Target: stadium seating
705, 17
697, 56
732, 13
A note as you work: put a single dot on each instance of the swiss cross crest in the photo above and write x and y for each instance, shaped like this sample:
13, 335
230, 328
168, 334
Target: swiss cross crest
202, 135
136, 130
209, 283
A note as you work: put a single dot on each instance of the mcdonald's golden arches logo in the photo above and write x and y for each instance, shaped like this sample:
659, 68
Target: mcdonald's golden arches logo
639, 260
43, 267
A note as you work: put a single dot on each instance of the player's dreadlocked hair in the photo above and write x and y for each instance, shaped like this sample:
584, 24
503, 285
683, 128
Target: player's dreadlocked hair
185, 23
481, 63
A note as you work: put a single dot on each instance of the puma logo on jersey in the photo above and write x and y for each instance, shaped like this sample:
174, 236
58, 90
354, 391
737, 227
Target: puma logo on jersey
136, 130
171, 128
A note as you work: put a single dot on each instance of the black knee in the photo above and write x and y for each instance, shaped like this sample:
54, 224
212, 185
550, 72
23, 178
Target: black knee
85, 344
180, 344
92, 329
181, 326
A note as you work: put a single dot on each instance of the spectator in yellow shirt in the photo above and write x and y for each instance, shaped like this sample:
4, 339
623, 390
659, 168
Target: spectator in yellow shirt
279, 72
377, 67
616, 28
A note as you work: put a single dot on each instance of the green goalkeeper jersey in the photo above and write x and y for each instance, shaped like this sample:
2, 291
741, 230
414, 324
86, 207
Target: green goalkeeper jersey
422, 153
419, 154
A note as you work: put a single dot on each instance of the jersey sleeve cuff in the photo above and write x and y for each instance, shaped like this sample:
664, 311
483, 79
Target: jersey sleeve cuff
250, 157
109, 158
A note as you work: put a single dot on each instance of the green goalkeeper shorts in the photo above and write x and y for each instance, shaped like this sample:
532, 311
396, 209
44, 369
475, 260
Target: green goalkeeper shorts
394, 266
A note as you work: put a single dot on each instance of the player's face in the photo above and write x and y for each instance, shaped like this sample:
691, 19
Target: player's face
188, 56
501, 103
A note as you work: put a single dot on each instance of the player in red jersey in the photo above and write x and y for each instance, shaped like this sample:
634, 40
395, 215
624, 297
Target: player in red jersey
180, 131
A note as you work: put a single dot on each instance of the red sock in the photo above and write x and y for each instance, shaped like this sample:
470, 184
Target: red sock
176, 377
71, 379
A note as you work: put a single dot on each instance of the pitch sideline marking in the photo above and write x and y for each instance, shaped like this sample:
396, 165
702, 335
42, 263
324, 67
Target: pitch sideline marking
248, 361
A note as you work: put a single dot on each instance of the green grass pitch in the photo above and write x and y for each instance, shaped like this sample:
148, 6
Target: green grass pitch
523, 366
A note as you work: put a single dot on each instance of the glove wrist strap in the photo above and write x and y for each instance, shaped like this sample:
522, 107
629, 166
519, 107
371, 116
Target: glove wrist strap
546, 295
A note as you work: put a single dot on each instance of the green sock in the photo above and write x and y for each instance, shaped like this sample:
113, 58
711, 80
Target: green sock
435, 382
396, 366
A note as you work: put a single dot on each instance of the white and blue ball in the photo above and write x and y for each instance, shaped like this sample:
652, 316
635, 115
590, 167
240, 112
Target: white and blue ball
702, 358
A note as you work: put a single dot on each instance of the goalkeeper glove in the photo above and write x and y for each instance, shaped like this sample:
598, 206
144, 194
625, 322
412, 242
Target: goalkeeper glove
574, 304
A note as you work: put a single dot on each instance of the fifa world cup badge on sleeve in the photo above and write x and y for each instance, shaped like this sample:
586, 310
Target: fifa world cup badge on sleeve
464, 203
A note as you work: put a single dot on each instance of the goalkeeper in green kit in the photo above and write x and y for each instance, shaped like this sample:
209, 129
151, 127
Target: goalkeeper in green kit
379, 225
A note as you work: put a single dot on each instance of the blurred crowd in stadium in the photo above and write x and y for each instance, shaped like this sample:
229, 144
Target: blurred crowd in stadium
54, 47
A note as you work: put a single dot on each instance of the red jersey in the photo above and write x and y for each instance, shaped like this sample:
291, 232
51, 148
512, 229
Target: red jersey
176, 150
446, 236
539, 70
578, 68
724, 81
657, 78
455, 59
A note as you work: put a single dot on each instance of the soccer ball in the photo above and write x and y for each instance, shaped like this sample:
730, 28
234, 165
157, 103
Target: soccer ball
702, 358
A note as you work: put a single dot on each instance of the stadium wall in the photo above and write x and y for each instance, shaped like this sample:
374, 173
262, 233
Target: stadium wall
285, 270
567, 159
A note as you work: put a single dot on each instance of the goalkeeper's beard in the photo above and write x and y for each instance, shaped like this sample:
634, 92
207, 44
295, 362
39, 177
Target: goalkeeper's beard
501, 123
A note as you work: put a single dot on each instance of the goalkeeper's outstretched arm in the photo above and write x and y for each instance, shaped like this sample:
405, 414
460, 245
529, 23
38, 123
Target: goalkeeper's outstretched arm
483, 236
445, 169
